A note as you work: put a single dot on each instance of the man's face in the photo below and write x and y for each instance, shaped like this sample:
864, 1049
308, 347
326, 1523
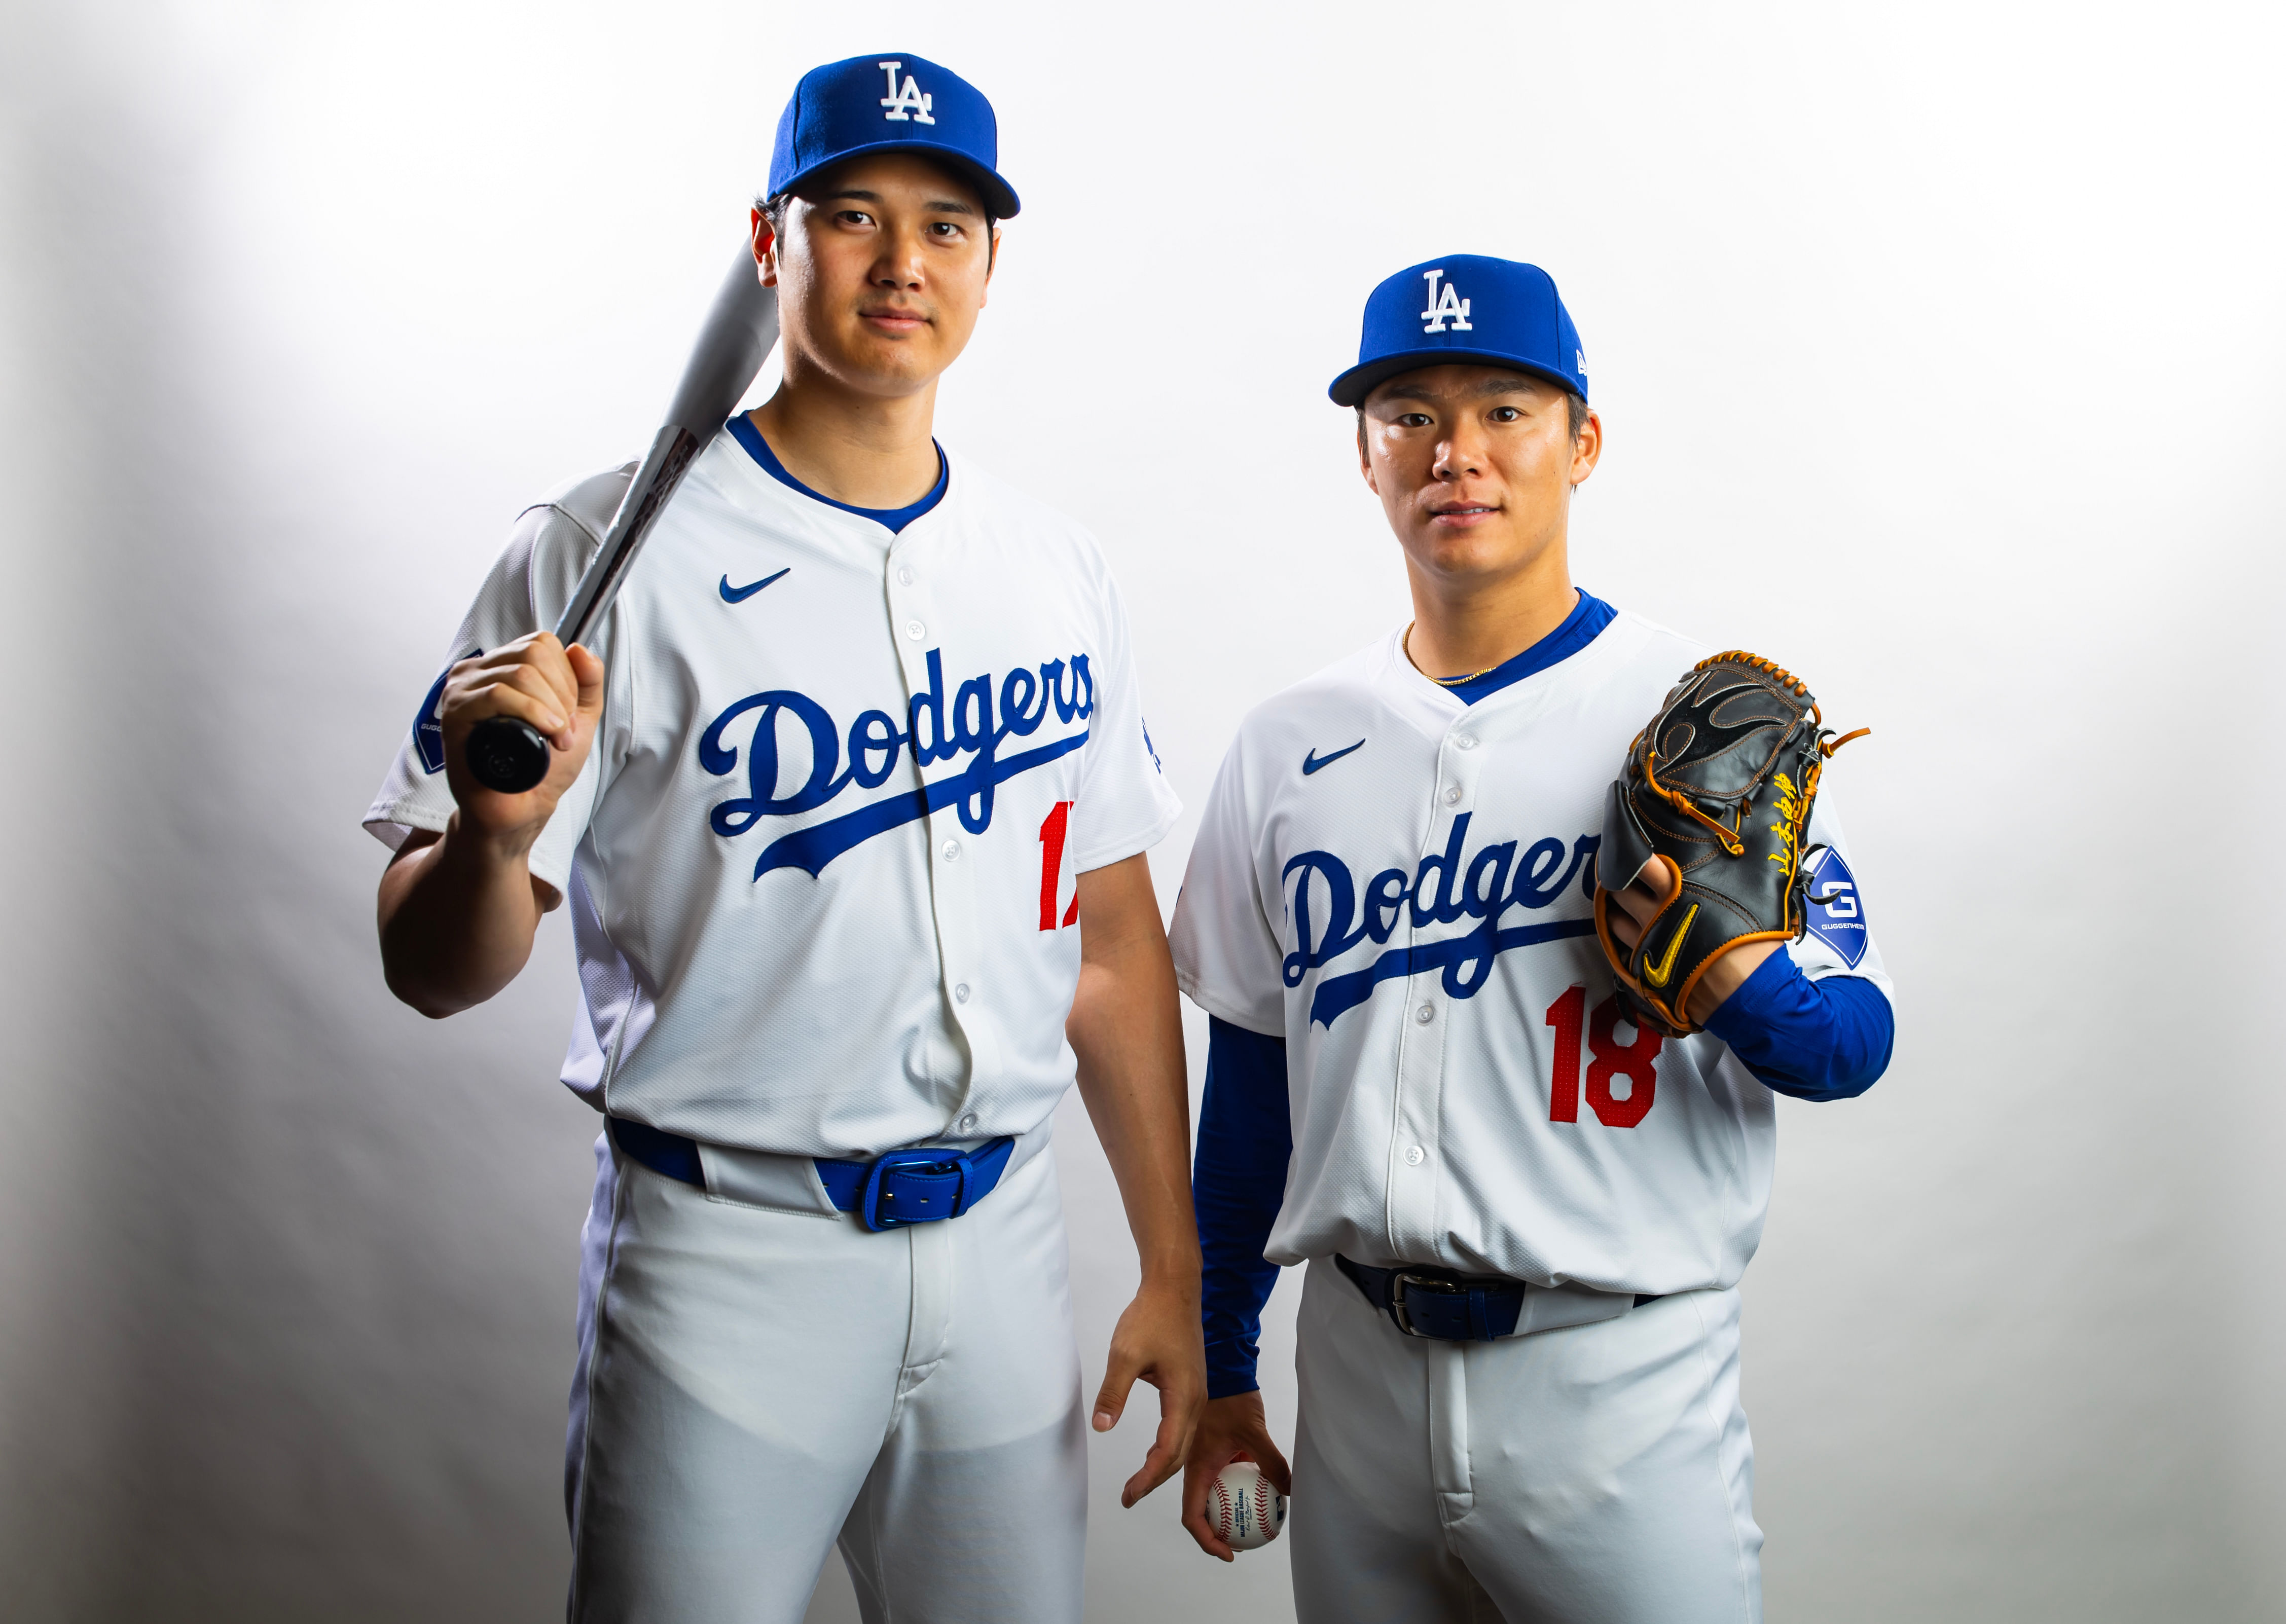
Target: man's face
881, 273
1474, 466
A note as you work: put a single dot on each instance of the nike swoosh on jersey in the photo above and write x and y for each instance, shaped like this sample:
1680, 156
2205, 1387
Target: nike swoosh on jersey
739, 595
1313, 760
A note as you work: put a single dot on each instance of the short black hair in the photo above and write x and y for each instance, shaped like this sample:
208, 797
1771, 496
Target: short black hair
1575, 408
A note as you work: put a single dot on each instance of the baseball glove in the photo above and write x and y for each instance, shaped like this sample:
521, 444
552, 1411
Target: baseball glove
1719, 789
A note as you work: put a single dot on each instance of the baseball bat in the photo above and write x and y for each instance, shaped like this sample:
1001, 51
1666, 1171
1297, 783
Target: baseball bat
510, 755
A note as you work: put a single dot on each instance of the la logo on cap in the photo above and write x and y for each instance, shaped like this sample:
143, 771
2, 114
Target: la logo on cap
1444, 305
911, 102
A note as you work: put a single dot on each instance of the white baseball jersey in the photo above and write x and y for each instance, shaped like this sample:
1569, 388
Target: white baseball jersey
1401, 887
822, 859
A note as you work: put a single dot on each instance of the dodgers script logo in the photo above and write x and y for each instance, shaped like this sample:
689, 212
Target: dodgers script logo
935, 730
1447, 889
1444, 306
911, 102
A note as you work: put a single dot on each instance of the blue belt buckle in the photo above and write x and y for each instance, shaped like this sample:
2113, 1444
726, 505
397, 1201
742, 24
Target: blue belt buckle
919, 1186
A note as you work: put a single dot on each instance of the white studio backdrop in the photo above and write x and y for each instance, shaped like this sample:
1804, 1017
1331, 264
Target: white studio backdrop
1937, 348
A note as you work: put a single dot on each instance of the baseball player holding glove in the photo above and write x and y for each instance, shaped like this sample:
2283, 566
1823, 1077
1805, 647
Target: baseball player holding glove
1519, 1126
849, 800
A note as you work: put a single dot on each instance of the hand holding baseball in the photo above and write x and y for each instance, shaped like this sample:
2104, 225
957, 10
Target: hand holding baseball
1231, 1430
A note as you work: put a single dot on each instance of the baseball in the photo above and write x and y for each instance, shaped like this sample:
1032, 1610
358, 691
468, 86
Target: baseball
1244, 1510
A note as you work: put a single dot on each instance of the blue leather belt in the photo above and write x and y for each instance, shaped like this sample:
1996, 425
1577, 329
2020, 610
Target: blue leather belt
1441, 1304
919, 1186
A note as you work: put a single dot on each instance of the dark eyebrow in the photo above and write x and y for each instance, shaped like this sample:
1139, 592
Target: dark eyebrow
940, 205
1500, 384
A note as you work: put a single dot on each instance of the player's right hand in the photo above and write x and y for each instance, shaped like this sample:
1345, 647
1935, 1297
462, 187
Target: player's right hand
536, 680
1229, 1429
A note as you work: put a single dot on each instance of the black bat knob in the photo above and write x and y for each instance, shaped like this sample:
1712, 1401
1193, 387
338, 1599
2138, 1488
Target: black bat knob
507, 756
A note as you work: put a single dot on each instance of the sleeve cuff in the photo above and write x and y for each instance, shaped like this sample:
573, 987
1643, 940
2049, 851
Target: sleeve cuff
1760, 997
1230, 1368
1226, 1009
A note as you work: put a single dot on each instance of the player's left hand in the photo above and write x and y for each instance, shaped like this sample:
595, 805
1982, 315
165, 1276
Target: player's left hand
1157, 1340
1231, 1429
1638, 905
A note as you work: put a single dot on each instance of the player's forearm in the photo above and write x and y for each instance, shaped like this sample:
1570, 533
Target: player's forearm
1238, 1183
1828, 1039
1130, 1076
458, 916
1127, 1032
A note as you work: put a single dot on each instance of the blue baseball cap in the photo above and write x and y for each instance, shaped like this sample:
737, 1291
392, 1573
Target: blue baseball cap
890, 103
1465, 307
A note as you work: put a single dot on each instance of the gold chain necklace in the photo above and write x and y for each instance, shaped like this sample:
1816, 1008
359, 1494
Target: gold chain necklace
1405, 642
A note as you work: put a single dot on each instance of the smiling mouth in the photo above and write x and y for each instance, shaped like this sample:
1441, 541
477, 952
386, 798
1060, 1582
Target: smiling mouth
1461, 511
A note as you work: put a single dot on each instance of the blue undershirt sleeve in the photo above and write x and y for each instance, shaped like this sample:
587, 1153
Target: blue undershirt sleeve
1238, 1183
1827, 1039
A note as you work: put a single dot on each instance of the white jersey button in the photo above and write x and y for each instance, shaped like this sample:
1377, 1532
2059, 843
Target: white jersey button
1467, 741
904, 577
1451, 794
953, 851
960, 993
1425, 1013
966, 1122
915, 630
1414, 1155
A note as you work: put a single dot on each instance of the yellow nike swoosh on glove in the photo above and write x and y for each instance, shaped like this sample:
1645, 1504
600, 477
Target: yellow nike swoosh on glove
1657, 975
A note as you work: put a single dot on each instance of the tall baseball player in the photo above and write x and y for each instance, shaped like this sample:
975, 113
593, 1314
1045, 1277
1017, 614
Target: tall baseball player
1519, 1324
850, 799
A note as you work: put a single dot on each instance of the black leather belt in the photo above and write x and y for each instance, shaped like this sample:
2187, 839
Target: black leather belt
1442, 1305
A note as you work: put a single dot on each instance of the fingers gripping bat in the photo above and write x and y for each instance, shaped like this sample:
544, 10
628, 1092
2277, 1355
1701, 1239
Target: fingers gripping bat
511, 756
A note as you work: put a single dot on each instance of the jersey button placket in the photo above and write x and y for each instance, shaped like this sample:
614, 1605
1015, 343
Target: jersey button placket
916, 624
1427, 1012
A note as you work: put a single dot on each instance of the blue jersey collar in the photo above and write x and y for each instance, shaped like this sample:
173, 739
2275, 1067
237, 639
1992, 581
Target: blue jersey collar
1589, 615
742, 427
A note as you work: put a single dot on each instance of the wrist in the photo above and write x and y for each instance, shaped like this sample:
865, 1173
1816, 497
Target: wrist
1173, 1272
1726, 975
477, 852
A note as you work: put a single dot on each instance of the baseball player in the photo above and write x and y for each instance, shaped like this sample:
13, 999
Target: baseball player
849, 800
1524, 1218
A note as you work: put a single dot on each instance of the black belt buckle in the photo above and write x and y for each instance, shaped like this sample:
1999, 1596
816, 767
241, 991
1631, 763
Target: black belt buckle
1434, 1282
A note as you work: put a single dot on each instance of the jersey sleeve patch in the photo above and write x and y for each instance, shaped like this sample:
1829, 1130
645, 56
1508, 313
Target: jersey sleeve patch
1836, 916
428, 723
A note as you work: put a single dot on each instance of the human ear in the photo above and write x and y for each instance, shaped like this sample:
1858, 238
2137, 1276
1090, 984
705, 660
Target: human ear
1588, 450
766, 262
